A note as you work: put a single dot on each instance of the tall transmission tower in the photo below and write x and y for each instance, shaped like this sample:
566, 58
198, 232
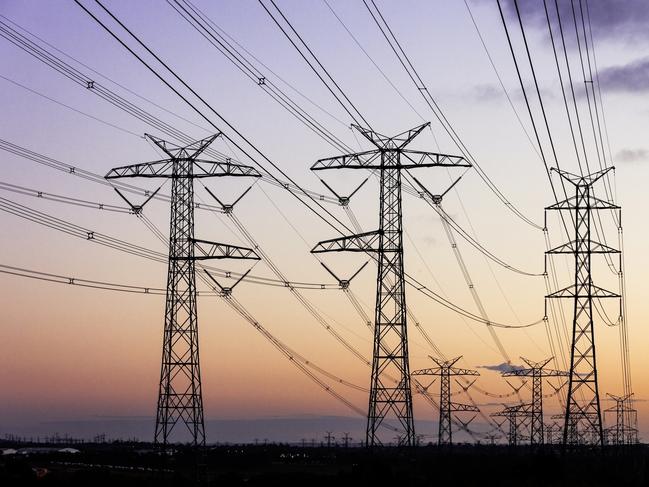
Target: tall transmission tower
444, 371
180, 396
583, 418
537, 371
390, 392
623, 432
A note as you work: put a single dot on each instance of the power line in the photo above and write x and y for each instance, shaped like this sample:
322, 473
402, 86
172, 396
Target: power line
405, 62
77, 281
354, 113
309, 198
410, 280
74, 230
97, 119
121, 103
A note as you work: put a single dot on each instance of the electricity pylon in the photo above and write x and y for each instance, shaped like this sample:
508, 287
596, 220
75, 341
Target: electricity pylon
180, 396
624, 432
537, 372
390, 354
512, 414
583, 417
552, 433
445, 370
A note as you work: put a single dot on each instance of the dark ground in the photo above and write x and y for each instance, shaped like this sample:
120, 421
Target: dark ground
130, 464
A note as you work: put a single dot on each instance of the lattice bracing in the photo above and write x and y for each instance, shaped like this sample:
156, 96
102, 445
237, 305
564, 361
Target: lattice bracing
388, 397
180, 399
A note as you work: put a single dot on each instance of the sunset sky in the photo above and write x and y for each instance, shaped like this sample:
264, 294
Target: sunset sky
76, 354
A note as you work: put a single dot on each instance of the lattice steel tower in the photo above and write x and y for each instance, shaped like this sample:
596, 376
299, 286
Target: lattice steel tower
583, 417
180, 397
537, 371
390, 392
624, 432
445, 370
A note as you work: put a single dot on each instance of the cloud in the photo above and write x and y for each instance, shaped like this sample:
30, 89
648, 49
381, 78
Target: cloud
610, 19
487, 92
504, 367
632, 155
430, 240
628, 78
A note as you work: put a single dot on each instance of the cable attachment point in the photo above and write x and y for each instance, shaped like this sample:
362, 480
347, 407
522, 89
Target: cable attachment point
343, 200
516, 389
344, 283
435, 198
227, 208
226, 291
136, 209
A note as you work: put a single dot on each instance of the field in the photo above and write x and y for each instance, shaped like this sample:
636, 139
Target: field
127, 464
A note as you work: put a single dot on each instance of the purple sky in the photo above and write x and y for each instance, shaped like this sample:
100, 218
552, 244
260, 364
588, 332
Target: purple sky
78, 353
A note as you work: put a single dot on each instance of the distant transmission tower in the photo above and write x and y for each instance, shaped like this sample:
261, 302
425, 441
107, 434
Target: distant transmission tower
512, 415
537, 372
553, 433
445, 370
583, 418
180, 397
624, 432
390, 392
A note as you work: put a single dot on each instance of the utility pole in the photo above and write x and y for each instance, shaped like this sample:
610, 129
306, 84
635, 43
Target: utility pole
623, 433
390, 391
444, 370
537, 371
583, 417
180, 396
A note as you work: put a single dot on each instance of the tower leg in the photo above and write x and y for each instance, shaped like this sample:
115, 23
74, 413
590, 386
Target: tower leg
390, 357
583, 421
180, 397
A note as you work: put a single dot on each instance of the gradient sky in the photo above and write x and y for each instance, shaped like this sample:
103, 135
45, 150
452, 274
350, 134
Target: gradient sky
71, 353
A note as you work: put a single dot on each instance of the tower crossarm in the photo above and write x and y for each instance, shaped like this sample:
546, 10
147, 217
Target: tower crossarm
582, 180
571, 292
459, 407
203, 169
573, 246
456, 371
398, 141
361, 242
200, 169
190, 151
516, 409
157, 169
507, 411
441, 370
588, 203
412, 159
213, 250
359, 160
430, 371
